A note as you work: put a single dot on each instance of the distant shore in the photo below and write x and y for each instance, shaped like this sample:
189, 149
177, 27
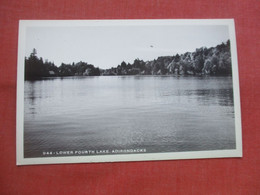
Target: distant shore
204, 61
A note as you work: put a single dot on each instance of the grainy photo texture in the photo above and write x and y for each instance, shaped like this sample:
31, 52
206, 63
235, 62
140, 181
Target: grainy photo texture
127, 90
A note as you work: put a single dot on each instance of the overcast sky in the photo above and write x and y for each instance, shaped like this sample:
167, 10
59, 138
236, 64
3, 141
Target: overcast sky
107, 46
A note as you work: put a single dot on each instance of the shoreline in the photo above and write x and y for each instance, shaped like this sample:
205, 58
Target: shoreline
138, 75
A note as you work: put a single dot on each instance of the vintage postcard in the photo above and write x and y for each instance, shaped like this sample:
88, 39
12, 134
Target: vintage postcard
127, 90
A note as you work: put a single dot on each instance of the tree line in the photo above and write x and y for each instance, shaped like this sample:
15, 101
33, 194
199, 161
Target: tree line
203, 61
36, 68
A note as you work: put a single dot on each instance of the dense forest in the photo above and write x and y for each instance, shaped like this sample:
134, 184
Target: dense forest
203, 61
35, 68
207, 61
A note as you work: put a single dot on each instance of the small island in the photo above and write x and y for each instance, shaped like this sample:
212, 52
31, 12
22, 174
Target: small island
204, 61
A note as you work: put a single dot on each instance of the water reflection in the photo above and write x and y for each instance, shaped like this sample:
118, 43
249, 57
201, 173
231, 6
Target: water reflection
31, 92
30, 96
223, 97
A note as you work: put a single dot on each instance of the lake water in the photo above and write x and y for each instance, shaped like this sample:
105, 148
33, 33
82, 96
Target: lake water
150, 113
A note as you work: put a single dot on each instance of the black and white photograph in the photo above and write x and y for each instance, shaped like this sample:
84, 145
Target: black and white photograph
127, 90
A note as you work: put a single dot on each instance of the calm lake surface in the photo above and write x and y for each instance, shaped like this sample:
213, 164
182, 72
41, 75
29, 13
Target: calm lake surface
155, 113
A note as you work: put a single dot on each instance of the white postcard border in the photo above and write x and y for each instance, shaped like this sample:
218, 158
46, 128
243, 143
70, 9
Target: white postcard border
23, 24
